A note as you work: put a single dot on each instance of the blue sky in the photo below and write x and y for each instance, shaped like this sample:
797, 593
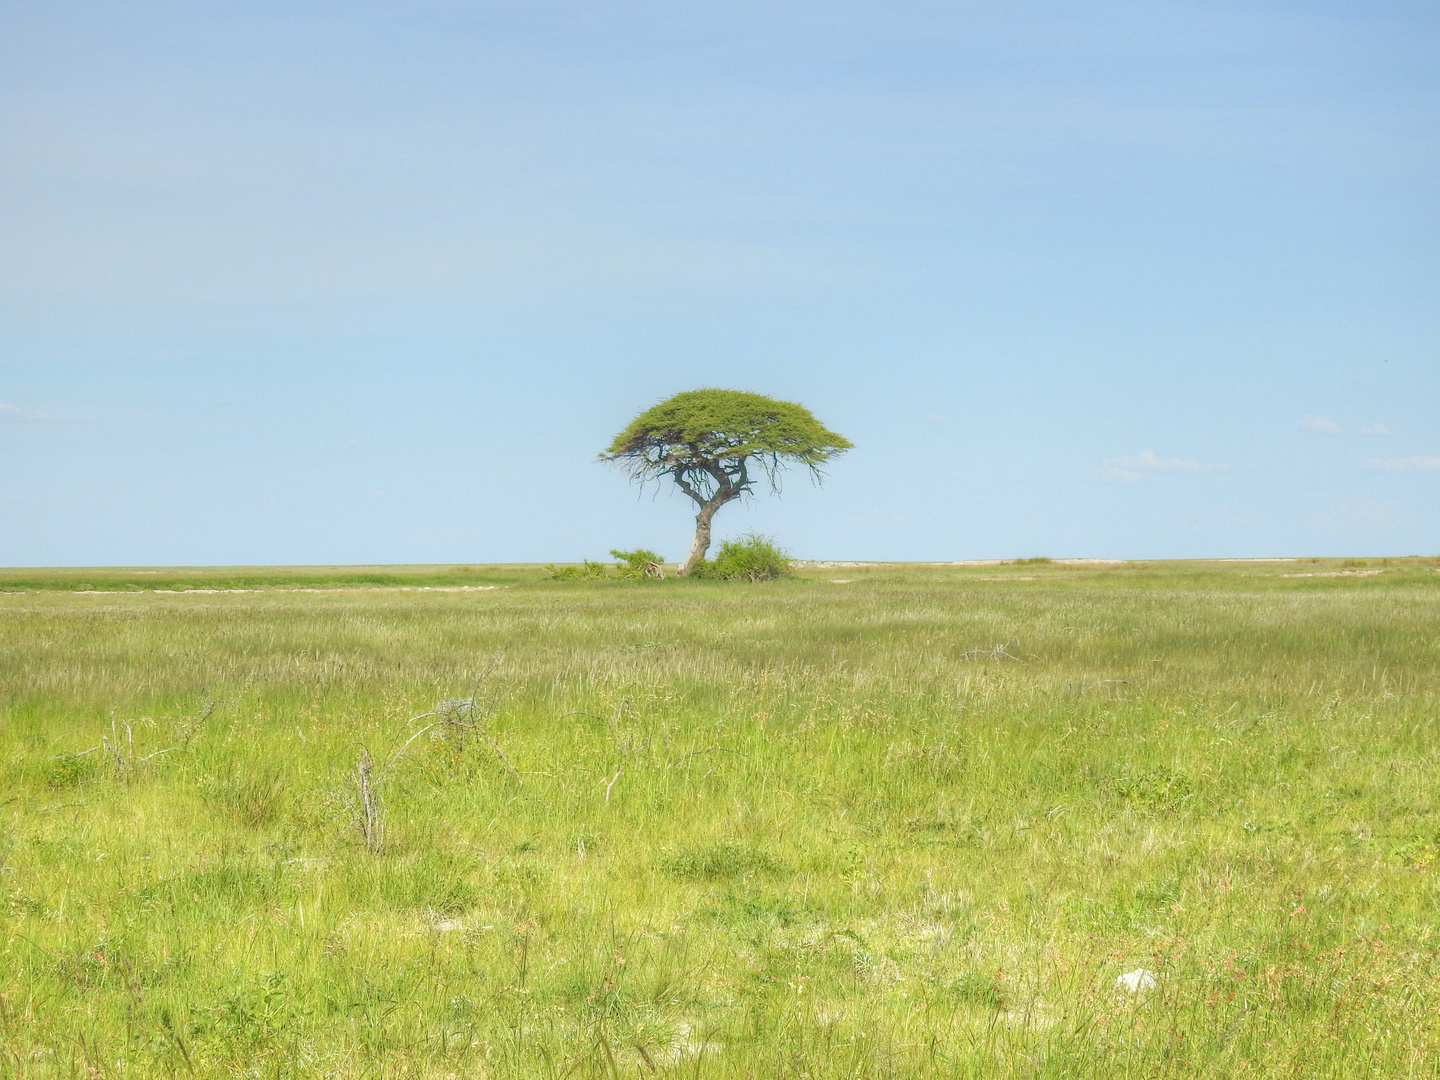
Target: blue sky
374, 282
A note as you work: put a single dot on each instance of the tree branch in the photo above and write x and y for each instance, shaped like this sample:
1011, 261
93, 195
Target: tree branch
678, 472
723, 482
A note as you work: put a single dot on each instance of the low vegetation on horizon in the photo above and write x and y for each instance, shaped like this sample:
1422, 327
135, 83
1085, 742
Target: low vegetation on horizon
862, 821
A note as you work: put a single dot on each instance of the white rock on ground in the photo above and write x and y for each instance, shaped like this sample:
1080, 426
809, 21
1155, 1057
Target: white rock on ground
1136, 982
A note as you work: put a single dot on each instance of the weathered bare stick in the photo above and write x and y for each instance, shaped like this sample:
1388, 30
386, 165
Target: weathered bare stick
406, 744
454, 724
995, 652
372, 813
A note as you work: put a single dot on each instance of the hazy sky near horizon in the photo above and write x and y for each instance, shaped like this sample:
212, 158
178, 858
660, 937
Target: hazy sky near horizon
370, 282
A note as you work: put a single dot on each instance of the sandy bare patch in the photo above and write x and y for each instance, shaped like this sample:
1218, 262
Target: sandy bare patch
1057, 562
1258, 560
1338, 573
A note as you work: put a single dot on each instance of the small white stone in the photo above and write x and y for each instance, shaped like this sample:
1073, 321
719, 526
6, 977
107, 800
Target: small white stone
1136, 982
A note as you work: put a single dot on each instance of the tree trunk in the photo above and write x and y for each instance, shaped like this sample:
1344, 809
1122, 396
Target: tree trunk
701, 543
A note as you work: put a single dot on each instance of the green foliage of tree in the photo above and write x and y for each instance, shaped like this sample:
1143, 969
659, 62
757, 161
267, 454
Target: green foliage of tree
707, 441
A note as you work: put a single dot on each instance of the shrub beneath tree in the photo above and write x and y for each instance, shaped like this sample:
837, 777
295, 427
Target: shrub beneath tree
752, 557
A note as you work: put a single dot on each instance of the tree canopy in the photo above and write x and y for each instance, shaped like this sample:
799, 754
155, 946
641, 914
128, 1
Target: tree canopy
679, 436
705, 440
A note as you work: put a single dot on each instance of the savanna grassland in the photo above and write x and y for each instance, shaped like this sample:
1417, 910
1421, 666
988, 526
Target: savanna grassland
914, 823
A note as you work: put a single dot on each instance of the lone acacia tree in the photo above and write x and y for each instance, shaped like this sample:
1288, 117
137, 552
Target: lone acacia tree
706, 441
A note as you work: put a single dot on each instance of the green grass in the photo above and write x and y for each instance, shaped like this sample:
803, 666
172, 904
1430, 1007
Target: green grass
695, 829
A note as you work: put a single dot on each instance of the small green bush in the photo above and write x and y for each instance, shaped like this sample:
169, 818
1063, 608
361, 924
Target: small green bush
577, 573
721, 859
1160, 790
974, 988
70, 770
640, 563
752, 557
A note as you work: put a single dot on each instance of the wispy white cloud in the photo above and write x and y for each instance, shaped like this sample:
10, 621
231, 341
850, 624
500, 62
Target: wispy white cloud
1322, 424
1130, 469
1416, 463
1325, 426
15, 413
1148, 459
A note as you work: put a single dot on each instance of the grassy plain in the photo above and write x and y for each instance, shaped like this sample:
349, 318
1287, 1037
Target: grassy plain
793, 829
